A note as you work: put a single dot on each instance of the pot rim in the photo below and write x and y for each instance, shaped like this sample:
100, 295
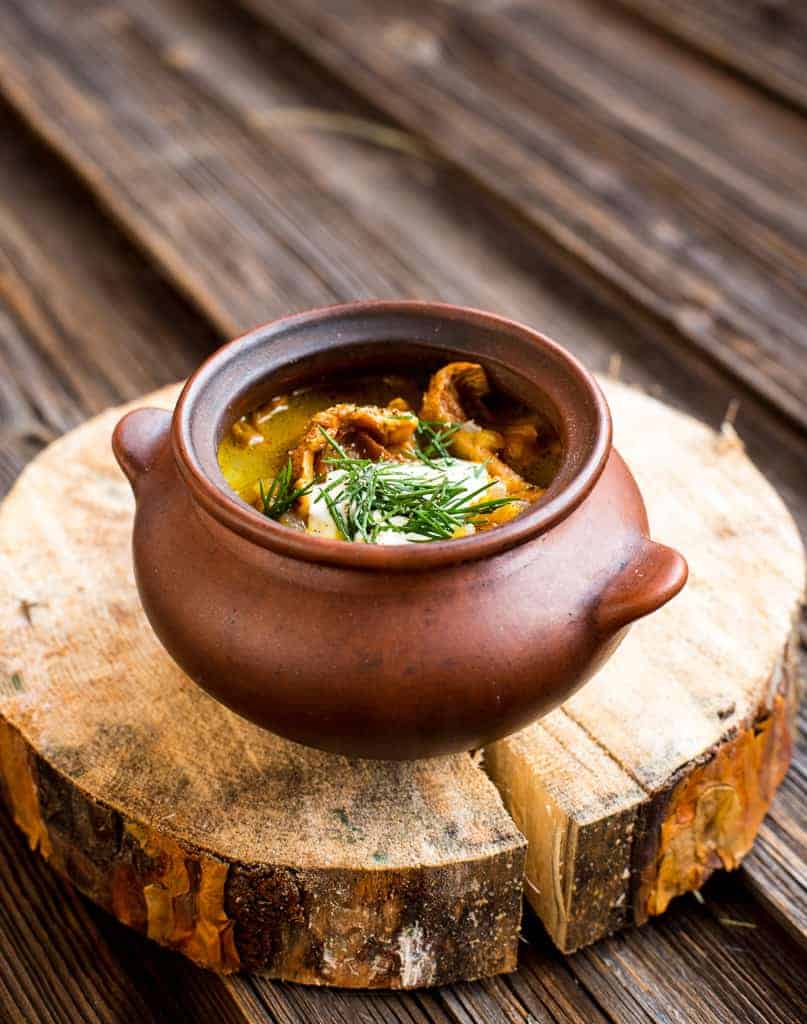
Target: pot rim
214, 495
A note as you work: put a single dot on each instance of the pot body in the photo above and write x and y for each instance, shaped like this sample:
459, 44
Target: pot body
399, 651
394, 665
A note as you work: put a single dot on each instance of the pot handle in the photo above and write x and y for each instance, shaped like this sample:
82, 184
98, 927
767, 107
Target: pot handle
138, 440
651, 578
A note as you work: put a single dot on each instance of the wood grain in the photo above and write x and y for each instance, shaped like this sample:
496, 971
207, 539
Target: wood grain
590, 158
86, 322
765, 40
662, 973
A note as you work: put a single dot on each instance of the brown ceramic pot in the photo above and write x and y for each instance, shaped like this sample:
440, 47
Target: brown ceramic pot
389, 652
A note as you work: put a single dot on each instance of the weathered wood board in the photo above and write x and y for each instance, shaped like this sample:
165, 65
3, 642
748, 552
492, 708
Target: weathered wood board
613, 145
665, 764
766, 41
238, 848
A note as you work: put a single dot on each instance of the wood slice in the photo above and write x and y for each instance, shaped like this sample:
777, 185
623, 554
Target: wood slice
663, 767
243, 850
208, 834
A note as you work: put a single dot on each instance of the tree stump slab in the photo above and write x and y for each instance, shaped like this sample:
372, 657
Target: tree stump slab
208, 834
662, 768
246, 851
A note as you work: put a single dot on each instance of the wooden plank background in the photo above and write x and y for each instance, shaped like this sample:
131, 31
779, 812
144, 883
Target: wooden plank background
764, 39
630, 167
172, 172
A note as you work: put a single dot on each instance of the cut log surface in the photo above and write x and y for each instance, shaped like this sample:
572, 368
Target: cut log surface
663, 767
245, 851
236, 847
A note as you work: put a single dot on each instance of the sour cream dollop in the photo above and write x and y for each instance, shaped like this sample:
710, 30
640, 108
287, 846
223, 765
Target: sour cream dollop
468, 476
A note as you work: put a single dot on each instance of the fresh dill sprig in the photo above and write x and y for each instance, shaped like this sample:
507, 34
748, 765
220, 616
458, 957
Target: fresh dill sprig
334, 443
365, 497
281, 494
433, 436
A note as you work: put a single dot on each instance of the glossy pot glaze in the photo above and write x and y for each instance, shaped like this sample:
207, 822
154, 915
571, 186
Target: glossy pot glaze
389, 652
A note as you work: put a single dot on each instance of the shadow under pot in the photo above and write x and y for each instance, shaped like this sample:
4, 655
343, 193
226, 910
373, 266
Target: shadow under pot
402, 651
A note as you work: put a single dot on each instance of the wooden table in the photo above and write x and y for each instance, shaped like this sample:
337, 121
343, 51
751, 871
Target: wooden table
631, 177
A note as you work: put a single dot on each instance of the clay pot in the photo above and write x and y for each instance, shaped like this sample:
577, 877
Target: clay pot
389, 652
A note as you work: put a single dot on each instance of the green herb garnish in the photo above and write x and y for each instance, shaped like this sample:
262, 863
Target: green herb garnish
433, 437
365, 497
281, 494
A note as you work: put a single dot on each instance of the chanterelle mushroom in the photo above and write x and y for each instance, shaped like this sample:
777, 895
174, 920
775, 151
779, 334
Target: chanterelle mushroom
456, 394
364, 431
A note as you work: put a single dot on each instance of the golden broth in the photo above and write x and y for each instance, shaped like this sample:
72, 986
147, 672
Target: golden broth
243, 466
